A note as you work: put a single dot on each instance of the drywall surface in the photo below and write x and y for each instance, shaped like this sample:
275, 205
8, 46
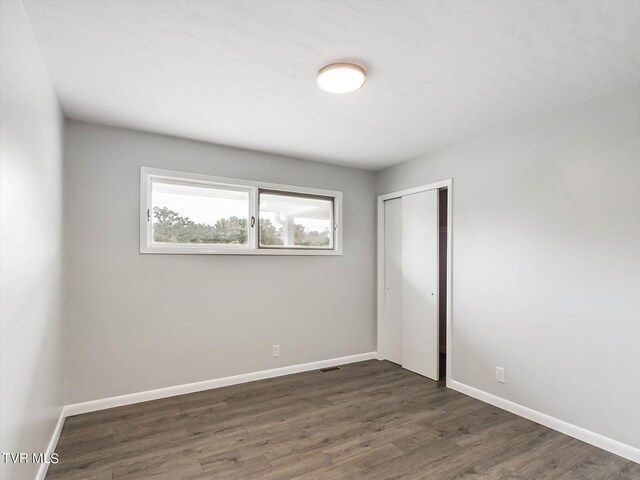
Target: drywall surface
31, 395
546, 261
139, 321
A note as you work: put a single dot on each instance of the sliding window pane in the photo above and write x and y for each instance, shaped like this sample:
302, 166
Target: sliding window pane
199, 214
295, 221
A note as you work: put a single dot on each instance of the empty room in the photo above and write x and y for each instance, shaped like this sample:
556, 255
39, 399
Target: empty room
320, 239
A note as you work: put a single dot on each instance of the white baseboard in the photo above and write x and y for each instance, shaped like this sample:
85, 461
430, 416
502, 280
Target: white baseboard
104, 403
600, 441
51, 448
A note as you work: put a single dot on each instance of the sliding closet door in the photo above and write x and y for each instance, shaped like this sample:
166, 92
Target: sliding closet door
392, 334
420, 283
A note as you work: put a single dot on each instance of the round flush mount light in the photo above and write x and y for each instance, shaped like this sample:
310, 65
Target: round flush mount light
341, 77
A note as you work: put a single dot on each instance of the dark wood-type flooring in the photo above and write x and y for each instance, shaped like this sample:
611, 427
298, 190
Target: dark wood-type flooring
369, 420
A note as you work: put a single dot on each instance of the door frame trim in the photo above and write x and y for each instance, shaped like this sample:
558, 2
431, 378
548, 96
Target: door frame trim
448, 184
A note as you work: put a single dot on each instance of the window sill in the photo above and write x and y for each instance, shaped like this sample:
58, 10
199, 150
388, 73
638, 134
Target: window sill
231, 251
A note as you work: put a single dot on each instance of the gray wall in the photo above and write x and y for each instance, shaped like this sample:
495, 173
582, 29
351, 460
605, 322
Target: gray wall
139, 322
546, 261
30, 245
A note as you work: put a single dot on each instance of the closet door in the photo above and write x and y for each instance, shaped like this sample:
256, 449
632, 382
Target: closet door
420, 283
392, 334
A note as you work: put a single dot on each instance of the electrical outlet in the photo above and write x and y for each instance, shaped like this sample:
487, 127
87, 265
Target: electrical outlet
276, 350
500, 375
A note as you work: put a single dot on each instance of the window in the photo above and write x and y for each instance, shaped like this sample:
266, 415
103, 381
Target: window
291, 220
191, 214
184, 213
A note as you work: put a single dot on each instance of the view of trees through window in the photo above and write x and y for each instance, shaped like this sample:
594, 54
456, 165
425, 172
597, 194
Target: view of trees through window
270, 235
171, 227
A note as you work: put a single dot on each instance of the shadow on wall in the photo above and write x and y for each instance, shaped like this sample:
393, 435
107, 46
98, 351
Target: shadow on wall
31, 410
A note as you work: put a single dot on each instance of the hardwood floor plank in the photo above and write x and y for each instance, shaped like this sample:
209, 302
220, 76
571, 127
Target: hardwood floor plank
170, 469
231, 467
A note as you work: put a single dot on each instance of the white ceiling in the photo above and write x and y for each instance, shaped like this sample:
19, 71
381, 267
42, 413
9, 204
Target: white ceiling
242, 73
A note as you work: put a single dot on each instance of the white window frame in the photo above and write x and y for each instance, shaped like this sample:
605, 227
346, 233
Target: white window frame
148, 175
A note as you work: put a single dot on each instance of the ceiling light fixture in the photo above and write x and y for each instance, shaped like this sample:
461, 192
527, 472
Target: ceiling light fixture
341, 77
